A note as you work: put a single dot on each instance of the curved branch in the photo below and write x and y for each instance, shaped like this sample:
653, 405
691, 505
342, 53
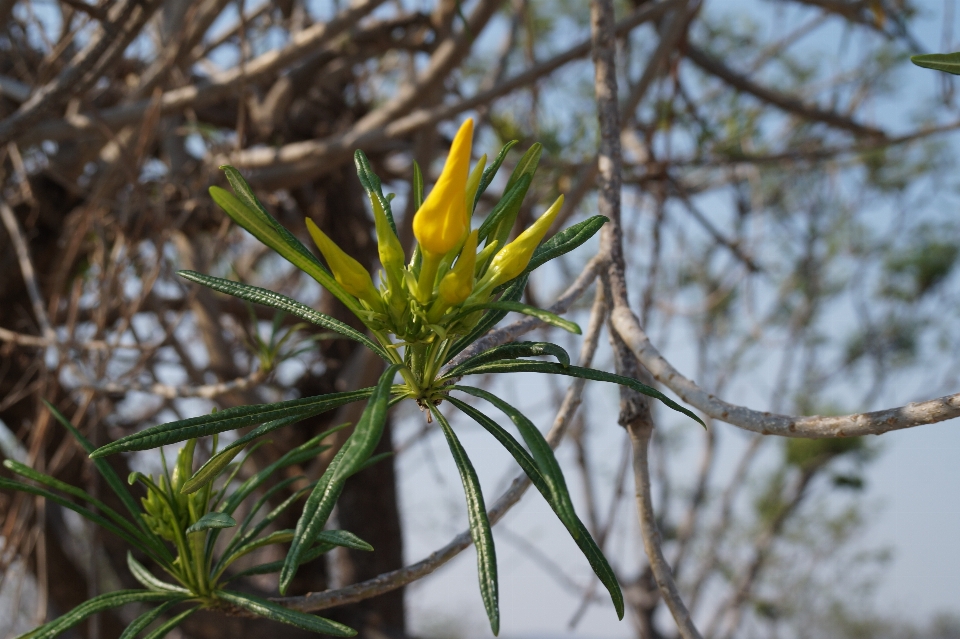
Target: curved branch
855, 425
783, 102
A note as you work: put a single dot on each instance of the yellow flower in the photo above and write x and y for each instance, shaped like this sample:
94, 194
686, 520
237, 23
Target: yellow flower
457, 285
441, 222
510, 261
348, 272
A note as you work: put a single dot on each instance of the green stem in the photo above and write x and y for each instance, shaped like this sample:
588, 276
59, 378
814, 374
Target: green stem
387, 344
435, 357
412, 385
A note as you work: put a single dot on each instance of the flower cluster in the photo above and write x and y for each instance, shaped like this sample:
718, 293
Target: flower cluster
452, 268
426, 302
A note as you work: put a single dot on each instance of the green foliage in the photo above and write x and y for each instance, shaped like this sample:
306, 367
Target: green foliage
185, 509
894, 341
177, 531
946, 62
918, 269
808, 454
770, 502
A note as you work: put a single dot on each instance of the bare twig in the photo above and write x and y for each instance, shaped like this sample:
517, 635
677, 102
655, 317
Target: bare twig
267, 64
301, 160
26, 269
786, 103
873, 423
104, 47
719, 530
207, 391
634, 411
640, 431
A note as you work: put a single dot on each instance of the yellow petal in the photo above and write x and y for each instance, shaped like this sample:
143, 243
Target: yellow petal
457, 285
514, 257
348, 272
442, 220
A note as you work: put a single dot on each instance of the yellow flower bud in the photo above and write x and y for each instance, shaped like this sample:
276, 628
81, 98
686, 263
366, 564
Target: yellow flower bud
348, 272
442, 220
388, 245
457, 285
510, 261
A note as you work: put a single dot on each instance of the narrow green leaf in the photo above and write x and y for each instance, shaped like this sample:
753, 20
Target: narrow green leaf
103, 522
513, 350
948, 62
524, 460
41, 478
417, 186
164, 629
513, 292
327, 540
140, 623
505, 210
229, 419
351, 457
263, 429
565, 241
479, 524
245, 536
276, 566
212, 469
247, 211
247, 196
95, 605
516, 307
526, 166
148, 580
300, 454
521, 366
523, 172
365, 437
276, 537
275, 612
212, 520
491, 171
116, 485
286, 304
265, 499
374, 459
558, 496
343, 538
372, 184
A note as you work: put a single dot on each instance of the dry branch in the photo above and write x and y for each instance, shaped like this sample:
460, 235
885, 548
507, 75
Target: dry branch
873, 423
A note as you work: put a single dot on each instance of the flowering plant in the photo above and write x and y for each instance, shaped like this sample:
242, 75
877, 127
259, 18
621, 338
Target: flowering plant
177, 526
458, 283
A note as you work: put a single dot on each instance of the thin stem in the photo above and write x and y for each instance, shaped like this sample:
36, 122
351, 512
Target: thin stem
640, 431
